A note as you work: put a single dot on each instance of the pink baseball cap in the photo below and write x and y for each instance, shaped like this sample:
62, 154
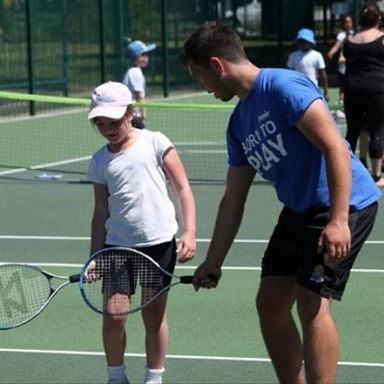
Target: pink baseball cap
110, 100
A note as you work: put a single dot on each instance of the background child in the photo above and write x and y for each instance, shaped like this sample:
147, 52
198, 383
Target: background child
134, 78
309, 61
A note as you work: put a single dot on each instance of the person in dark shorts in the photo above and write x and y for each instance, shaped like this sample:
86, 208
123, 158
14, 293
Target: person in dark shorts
281, 128
300, 256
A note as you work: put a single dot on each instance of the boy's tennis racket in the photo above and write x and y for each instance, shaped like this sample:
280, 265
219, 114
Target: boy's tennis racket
114, 281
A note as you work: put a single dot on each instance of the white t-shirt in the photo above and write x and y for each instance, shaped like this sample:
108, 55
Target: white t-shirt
309, 63
141, 211
135, 81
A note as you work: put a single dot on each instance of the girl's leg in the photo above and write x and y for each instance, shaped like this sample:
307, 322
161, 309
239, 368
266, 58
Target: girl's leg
114, 338
156, 338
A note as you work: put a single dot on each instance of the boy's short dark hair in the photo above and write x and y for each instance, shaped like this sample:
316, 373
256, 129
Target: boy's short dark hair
212, 38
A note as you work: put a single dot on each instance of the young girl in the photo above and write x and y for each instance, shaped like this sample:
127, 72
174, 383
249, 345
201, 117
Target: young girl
133, 209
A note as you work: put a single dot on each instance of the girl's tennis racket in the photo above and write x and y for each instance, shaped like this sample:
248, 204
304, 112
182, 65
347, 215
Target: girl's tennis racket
114, 281
118, 281
25, 290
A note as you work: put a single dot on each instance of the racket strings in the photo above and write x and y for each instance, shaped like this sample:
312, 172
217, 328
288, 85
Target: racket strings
23, 292
126, 281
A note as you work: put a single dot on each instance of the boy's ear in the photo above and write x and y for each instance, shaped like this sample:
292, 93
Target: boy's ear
217, 64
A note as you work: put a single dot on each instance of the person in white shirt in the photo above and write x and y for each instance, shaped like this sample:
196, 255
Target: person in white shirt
134, 79
309, 61
132, 208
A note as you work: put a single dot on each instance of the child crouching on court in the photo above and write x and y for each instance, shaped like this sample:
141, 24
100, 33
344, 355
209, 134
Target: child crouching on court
132, 208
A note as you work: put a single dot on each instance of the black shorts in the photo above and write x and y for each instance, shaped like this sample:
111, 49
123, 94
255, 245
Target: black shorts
341, 78
292, 249
126, 274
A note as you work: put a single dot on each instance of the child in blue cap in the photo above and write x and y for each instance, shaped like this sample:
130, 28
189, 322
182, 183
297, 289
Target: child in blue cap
134, 79
309, 61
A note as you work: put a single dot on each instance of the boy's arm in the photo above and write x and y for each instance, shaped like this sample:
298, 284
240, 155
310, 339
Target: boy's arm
318, 126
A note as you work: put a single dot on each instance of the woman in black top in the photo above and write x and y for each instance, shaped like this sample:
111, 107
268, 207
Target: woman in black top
364, 87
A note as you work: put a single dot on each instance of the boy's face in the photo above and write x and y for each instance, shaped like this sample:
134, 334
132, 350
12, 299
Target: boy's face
304, 45
212, 79
142, 60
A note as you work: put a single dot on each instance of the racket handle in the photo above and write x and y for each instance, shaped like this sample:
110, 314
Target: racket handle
186, 279
189, 279
74, 278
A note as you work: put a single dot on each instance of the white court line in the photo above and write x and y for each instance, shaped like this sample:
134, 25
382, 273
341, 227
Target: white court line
178, 267
38, 166
181, 357
83, 158
199, 240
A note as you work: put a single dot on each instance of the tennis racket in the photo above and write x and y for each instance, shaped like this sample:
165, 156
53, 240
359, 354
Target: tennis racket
119, 281
25, 290
114, 281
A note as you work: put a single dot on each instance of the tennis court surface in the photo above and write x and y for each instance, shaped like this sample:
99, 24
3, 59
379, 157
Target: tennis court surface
215, 337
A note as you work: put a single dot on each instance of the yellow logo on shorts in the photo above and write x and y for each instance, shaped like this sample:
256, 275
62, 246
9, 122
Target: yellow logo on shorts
317, 275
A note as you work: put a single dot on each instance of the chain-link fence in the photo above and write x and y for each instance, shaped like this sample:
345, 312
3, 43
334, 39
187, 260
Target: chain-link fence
68, 46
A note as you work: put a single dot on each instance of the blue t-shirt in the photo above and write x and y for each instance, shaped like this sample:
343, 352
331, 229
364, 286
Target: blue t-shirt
262, 132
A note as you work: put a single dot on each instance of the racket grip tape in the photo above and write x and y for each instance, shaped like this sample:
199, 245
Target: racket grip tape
186, 279
189, 279
74, 278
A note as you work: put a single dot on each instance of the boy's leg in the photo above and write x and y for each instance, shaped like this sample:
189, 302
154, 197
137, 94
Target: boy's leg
320, 337
275, 299
318, 285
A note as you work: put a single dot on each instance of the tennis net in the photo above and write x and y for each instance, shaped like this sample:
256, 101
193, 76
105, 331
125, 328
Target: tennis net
57, 141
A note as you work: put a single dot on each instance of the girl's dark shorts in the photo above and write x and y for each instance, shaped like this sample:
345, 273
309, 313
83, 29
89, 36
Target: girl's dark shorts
133, 272
292, 249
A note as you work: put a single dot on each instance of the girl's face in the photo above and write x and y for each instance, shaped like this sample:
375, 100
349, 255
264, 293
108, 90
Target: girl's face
116, 131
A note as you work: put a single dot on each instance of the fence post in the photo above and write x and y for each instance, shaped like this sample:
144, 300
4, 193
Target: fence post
31, 77
64, 38
164, 38
102, 41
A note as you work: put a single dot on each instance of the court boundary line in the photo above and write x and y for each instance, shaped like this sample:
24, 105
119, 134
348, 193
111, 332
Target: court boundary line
36, 167
172, 356
178, 267
82, 238
198, 240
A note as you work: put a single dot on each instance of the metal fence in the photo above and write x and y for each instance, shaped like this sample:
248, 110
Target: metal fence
68, 46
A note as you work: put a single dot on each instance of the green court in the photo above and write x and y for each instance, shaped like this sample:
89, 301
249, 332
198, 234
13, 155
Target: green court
215, 337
